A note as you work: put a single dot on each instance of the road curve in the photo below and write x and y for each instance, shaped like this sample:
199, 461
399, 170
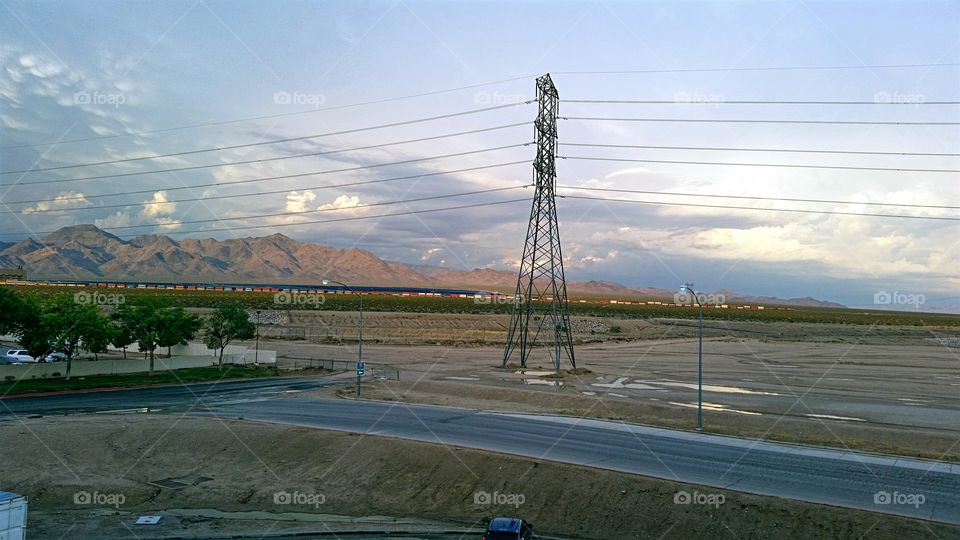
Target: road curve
820, 475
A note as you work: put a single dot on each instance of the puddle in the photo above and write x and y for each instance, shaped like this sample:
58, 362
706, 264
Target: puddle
129, 411
615, 395
541, 382
619, 383
589, 393
834, 417
912, 401
463, 378
715, 407
713, 388
534, 373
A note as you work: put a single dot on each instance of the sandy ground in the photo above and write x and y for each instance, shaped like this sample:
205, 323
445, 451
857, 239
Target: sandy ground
239, 468
886, 389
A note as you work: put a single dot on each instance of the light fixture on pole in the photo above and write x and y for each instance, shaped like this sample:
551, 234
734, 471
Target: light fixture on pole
689, 288
256, 354
360, 336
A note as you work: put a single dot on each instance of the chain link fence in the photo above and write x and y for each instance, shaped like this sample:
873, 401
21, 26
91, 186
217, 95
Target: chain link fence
376, 371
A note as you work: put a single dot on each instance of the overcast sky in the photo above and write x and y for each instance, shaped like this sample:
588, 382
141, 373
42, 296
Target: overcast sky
104, 70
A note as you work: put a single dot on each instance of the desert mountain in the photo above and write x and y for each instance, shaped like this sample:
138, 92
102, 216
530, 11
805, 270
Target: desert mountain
87, 252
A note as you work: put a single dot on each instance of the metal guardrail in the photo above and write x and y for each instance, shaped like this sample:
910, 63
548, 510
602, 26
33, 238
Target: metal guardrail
376, 371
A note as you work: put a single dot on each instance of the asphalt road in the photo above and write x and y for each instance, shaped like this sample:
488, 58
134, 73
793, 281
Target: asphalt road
178, 398
910, 487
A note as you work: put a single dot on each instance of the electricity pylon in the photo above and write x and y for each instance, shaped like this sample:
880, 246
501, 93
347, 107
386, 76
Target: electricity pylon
540, 312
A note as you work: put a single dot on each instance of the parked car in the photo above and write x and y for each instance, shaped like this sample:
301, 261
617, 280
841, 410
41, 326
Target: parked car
19, 356
54, 357
506, 528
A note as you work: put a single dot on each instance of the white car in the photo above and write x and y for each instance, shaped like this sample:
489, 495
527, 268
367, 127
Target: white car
54, 357
19, 356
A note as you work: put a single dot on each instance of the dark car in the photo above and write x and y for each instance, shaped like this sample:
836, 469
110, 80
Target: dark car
504, 528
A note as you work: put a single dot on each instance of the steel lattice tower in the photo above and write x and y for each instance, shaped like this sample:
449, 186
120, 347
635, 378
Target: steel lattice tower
540, 301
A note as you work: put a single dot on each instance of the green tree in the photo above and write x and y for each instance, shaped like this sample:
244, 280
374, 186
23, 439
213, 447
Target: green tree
153, 322
31, 333
121, 336
69, 326
140, 320
176, 327
228, 323
11, 311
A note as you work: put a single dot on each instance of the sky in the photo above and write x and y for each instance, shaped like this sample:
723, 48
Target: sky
117, 75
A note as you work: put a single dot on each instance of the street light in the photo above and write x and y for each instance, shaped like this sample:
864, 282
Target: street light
685, 288
256, 354
360, 339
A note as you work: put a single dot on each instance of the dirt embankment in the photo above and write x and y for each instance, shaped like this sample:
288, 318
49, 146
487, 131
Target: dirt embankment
52, 459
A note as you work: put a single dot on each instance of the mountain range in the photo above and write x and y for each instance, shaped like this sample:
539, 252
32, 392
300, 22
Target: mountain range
87, 252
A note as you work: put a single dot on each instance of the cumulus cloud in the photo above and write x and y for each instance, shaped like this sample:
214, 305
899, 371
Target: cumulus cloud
117, 219
158, 205
297, 201
64, 199
343, 201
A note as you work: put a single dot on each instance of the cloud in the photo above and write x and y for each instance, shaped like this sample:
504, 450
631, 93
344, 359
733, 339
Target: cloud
159, 206
429, 253
343, 201
118, 219
297, 201
64, 199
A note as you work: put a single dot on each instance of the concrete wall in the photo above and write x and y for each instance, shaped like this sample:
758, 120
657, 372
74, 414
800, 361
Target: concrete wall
82, 368
135, 363
239, 354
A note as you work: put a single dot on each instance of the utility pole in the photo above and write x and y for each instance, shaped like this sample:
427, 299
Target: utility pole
540, 300
256, 354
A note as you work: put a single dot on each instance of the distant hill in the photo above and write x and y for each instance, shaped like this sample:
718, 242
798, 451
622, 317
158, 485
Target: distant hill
87, 252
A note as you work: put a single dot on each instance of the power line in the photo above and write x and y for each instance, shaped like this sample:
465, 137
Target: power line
718, 70
750, 102
278, 158
791, 210
761, 121
758, 198
268, 116
779, 165
298, 213
275, 141
297, 175
792, 150
24, 211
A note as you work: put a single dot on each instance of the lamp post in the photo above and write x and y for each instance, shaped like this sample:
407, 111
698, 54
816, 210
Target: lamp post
689, 288
360, 337
256, 354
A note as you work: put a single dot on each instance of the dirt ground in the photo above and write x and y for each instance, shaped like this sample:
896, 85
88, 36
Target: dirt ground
884, 389
238, 467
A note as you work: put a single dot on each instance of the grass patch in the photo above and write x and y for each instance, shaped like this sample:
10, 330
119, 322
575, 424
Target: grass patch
180, 376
